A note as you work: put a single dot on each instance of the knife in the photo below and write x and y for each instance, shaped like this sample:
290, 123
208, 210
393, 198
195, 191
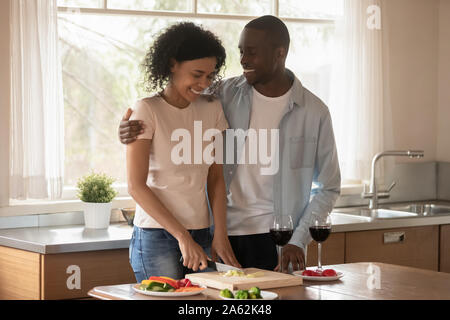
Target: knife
221, 267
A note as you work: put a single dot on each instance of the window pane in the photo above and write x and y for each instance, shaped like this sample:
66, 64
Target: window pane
311, 55
101, 56
101, 77
245, 7
311, 9
165, 5
81, 3
228, 32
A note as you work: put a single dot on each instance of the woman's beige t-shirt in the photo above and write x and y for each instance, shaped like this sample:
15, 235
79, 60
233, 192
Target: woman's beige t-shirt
180, 186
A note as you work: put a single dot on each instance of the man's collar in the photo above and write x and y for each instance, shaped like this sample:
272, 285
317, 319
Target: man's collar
297, 90
297, 95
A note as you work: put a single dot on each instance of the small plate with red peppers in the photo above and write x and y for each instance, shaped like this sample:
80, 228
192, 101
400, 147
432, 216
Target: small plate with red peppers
313, 275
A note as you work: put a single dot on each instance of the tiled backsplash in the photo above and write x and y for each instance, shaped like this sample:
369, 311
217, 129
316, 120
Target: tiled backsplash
415, 182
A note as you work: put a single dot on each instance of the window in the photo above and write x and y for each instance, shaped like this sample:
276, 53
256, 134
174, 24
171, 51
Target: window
102, 43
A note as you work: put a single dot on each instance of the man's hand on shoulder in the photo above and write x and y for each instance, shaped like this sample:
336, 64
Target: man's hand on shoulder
130, 129
292, 254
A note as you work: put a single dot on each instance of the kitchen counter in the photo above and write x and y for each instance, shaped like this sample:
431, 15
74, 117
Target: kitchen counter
348, 223
76, 238
361, 281
62, 239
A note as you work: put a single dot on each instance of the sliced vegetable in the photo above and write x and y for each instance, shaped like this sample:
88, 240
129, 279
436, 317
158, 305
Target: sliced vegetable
255, 274
226, 293
310, 273
166, 284
169, 281
329, 273
153, 285
255, 293
241, 294
233, 273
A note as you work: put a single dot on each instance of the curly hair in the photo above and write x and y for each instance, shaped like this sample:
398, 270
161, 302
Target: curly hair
182, 41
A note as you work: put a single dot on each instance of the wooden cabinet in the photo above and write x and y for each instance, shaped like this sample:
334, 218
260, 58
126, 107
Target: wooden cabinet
30, 275
444, 254
414, 247
19, 274
333, 250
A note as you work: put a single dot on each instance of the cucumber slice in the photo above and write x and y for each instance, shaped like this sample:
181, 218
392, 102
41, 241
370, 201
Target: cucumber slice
157, 288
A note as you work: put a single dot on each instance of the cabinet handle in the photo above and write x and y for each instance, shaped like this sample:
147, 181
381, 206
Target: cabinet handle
394, 237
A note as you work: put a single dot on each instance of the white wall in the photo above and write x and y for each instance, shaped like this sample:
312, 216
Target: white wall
413, 73
443, 114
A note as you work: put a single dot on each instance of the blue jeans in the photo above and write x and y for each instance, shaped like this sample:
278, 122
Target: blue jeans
155, 252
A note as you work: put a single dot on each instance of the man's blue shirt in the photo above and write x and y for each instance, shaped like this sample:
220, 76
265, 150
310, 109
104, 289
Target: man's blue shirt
307, 153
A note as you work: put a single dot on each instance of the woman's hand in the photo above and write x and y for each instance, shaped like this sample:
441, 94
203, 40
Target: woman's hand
193, 255
221, 247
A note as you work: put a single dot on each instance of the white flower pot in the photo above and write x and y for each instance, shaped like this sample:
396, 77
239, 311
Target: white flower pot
97, 215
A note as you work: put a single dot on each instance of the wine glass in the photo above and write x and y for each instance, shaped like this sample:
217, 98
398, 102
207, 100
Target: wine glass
281, 232
320, 230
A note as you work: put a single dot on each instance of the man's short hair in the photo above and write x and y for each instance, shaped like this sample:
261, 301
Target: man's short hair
275, 29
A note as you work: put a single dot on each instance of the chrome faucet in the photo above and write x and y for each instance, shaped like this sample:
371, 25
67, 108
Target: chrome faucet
373, 194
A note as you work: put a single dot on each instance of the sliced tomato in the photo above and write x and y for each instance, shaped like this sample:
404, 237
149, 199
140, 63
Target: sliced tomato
181, 283
311, 273
329, 273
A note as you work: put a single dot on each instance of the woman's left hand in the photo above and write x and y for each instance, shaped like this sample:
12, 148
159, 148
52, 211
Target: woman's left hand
221, 247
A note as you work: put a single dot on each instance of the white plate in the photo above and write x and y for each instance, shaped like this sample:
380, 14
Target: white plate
266, 295
167, 294
299, 274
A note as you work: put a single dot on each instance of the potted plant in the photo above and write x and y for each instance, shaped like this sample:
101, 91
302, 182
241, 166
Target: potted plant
96, 192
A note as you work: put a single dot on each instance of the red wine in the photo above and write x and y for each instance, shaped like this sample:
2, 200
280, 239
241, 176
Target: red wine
320, 233
281, 236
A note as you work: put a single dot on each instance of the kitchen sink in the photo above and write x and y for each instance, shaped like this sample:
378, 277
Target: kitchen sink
342, 218
399, 210
424, 209
375, 214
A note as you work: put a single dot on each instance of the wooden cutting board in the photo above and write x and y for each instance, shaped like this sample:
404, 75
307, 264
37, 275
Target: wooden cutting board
270, 279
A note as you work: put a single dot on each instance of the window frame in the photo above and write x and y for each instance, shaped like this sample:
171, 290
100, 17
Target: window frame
192, 14
10, 207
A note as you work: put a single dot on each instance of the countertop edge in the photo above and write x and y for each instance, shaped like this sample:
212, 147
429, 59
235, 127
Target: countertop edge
391, 224
122, 242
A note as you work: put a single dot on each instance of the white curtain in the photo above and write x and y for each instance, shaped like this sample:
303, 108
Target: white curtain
37, 144
358, 105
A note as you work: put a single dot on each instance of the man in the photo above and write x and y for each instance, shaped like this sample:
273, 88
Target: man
269, 97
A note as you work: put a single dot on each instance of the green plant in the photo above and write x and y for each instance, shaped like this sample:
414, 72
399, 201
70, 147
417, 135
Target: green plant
96, 187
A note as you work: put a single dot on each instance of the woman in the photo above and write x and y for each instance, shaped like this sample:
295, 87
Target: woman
172, 218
